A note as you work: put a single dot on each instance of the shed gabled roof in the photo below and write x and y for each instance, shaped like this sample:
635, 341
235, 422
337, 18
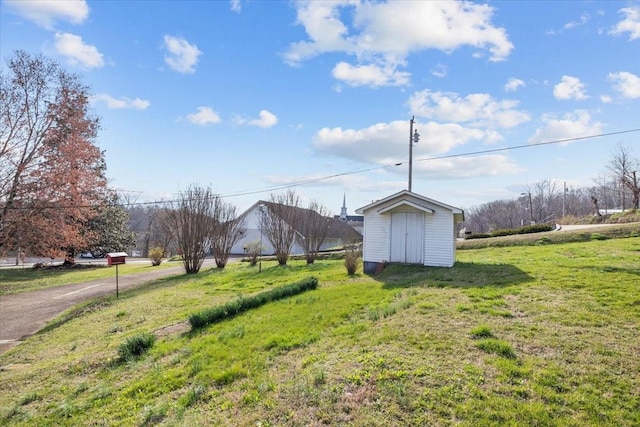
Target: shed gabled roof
404, 198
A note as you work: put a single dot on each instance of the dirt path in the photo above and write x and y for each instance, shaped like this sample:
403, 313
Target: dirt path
24, 314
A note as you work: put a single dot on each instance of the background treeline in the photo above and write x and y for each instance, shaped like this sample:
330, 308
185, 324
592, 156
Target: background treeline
553, 201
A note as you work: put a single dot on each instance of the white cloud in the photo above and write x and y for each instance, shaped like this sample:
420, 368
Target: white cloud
440, 71
123, 103
476, 109
387, 143
182, 56
370, 75
513, 85
204, 116
606, 99
465, 167
573, 24
266, 120
387, 32
572, 125
569, 88
626, 83
236, 6
630, 24
45, 13
77, 52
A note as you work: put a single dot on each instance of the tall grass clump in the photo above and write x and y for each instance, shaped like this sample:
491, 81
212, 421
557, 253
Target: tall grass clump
136, 346
482, 331
242, 304
495, 346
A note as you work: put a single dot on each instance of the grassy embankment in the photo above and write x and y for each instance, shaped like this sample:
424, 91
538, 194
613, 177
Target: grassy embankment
520, 335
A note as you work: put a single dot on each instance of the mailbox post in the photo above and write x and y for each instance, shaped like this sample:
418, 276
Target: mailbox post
116, 258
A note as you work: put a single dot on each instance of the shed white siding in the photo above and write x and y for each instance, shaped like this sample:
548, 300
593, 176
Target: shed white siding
439, 248
376, 237
409, 228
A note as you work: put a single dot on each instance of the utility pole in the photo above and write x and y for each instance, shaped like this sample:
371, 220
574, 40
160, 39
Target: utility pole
414, 137
564, 198
528, 193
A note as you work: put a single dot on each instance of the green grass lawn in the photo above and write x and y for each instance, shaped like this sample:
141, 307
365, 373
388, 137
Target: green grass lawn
17, 280
519, 335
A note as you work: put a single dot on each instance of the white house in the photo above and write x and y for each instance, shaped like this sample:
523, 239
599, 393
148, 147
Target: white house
409, 228
338, 234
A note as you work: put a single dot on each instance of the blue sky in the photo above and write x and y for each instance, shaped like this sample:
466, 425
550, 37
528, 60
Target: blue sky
251, 96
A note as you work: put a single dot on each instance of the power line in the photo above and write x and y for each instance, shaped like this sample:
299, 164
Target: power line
536, 144
354, 171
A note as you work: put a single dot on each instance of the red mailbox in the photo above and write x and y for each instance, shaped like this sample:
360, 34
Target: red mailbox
116, 258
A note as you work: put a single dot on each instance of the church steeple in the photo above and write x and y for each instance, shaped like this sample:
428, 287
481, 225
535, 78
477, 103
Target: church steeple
343, 210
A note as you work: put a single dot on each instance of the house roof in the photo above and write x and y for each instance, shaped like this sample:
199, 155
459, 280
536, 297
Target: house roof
337, 229
408, 198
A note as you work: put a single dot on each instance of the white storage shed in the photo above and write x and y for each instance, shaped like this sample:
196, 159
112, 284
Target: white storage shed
408, 228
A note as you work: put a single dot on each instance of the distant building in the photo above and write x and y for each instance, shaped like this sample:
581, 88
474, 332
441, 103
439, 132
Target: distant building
355, 221
338, 234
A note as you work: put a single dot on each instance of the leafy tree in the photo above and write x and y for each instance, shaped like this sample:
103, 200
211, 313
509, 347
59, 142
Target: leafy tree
51, 172
109, 229
278, 221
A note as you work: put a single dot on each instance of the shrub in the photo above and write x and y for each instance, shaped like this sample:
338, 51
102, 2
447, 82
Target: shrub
136, 346
527, 229
477, 236
253, 249
242, 304
631, 215
156, 253
352, 255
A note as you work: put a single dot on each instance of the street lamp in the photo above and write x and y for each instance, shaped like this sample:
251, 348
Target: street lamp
530, 206
261, 209
414, 137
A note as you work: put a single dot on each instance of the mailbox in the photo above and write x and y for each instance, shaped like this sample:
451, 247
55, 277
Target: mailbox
116, 258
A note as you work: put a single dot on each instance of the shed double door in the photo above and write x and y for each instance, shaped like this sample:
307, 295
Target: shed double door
407, 237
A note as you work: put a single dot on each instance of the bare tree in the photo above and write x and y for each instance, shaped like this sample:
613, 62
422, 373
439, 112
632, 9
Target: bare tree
313, 226
624, 167
192, 219
495, 215
546, 200
604, 191
228, 229
278, 221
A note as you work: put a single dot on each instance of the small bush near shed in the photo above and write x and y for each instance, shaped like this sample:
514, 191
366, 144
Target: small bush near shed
352, 254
